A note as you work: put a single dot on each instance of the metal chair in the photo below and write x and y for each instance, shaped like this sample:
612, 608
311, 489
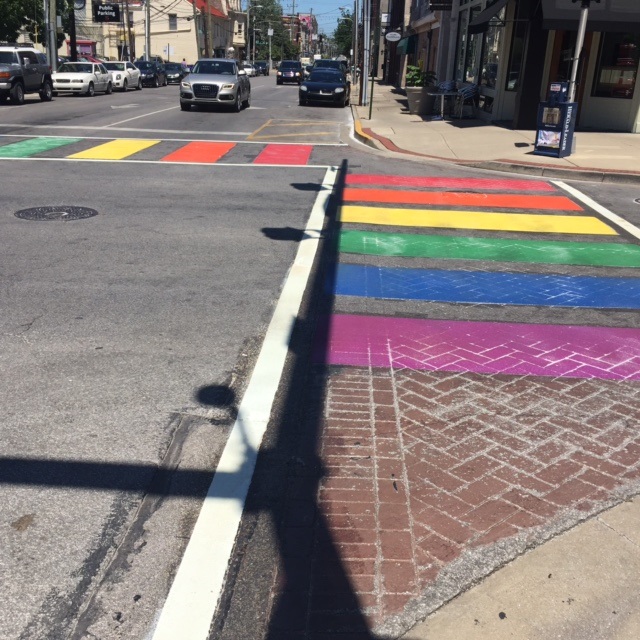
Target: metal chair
468, 94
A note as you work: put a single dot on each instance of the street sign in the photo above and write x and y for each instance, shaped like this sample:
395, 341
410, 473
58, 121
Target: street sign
106, 12
392, 36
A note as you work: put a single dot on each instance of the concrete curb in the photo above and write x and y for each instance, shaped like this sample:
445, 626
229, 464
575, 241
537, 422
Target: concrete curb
371, 139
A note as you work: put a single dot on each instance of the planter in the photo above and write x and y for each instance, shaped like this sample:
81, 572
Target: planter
420, 103
414, 96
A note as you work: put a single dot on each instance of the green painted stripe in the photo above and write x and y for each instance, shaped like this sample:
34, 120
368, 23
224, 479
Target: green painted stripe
26, 148
602, 254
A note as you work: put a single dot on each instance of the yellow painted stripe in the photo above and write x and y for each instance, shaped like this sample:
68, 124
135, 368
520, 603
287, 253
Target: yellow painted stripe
489, 221
115, 150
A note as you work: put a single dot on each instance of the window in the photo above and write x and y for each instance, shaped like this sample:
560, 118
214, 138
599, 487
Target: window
514, 71
491, 53
617, 68
173, 22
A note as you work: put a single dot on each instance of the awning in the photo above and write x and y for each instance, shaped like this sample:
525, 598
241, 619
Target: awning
407, 45
607, 15
481, 22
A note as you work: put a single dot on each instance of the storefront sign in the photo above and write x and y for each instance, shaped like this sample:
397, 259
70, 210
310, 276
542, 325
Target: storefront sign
106, 12
441, 5
392, 36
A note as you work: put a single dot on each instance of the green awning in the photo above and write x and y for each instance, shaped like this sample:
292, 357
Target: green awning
407, 45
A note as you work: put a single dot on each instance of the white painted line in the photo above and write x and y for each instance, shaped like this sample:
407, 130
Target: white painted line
143, 115
247, 133
194, 594
169, 164
603, 211
91, 128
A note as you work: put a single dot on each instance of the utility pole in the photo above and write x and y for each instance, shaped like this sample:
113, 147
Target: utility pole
582, 27
52, 49
312, 44
147, 30
209, 30
293, 13
366, 57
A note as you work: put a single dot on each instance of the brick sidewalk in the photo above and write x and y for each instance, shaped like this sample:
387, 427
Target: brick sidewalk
431, 480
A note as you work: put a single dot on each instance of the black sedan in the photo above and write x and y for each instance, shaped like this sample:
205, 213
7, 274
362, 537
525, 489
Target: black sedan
175, 72
327, 86
152, 74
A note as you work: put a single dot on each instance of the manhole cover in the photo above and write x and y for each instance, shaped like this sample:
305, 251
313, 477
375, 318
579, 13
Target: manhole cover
61, 212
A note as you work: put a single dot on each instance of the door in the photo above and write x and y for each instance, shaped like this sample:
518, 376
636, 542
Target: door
29, 61
562, 61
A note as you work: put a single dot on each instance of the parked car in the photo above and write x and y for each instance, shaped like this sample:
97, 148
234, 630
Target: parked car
82, 78
250, 69
216, 81
24, 70
175, 72
325, 85
124, 75
262, 67
152, 73
289, 71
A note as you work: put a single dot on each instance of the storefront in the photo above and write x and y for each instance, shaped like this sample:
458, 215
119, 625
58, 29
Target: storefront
513, 49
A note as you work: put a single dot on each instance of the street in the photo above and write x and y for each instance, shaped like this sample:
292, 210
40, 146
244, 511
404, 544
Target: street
414, 397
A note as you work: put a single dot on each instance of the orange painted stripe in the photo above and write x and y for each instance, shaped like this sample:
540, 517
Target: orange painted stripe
493, 200
200, 152
284, 154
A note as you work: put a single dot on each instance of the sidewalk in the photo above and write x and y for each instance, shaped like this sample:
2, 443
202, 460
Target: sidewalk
602, 157
469, 470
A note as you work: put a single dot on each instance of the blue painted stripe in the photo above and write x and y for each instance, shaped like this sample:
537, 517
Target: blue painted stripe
487, 288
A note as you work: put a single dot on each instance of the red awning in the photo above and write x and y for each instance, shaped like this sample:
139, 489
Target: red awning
201, 5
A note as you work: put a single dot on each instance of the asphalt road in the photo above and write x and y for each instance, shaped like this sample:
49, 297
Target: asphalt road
126, 340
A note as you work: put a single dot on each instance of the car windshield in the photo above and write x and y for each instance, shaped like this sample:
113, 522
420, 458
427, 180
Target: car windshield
260, 64
145, 65
173, 67
290, 65
328, 64
76, 67
7, 57
114, 66
214, 67
326, 76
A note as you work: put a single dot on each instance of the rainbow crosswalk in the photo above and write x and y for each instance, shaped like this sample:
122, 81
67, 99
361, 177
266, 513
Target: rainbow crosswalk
515, 243
163, 151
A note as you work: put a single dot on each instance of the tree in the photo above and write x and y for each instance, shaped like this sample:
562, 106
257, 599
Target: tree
343, 35
28, 15
269, 14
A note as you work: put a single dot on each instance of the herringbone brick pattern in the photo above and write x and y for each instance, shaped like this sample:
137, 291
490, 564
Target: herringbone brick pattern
423, 470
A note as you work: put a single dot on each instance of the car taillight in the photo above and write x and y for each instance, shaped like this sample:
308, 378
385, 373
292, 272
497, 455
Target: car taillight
5, 74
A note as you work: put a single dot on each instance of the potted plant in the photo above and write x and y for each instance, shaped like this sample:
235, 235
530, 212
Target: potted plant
417, 83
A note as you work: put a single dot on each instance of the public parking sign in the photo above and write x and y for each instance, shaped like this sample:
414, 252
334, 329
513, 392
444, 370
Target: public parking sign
106, 12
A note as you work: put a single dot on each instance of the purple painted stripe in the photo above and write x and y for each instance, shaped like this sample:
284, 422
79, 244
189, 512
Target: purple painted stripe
482, 347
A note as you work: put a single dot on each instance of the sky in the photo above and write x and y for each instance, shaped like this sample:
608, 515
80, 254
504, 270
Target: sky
326, 11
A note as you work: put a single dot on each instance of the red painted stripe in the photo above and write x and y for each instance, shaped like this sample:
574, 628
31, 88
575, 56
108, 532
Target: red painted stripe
450, 183
452, 198
284, 154
200, 152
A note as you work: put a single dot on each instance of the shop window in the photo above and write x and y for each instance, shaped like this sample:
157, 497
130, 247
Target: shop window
491, 52
472, 53
617, 66
514, 70
173, 22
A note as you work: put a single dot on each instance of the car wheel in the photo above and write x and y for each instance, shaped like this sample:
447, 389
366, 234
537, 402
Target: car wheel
46, 93
166, 82
278, 81
125, 85
302, 103
16, 95
109, 88
54, 94
247, 103
139, 86
91, 90
156, 82
237, 105
185, 106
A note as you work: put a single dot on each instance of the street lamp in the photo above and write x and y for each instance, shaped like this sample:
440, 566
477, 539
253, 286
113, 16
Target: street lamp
255, 6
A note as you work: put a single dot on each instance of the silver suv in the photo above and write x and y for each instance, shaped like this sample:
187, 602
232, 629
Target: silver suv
24, 69
216, 81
